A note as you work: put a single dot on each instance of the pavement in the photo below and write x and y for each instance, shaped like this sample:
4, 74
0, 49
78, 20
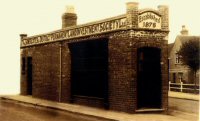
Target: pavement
184, 105
181, 95
99, 113
10, 111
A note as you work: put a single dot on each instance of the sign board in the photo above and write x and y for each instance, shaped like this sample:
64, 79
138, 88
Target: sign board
79, 31
149, 20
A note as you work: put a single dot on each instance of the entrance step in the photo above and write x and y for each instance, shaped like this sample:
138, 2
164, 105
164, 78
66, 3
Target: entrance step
143, 110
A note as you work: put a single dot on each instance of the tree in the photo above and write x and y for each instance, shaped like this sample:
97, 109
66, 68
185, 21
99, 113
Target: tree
189, 52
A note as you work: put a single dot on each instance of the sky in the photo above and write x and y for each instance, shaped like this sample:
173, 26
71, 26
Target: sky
41, 16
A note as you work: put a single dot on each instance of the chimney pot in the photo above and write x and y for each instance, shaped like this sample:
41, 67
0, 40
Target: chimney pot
70, 9
184, 31
131, 5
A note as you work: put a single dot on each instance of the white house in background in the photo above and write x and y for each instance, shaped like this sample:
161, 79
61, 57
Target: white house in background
177, 71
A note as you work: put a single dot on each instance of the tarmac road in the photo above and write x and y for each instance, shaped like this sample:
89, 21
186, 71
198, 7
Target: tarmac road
10, 111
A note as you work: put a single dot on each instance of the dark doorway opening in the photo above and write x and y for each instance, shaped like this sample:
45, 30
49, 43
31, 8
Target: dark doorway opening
29, 75
89, 68
149, 78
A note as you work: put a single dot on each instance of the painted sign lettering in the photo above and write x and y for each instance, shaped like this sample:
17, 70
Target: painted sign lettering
78, 31
149, 20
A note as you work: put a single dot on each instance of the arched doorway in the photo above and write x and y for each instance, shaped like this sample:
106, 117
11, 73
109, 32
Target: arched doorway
149, 78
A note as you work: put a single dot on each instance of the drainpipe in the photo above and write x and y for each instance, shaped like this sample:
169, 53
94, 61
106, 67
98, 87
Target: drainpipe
60, 80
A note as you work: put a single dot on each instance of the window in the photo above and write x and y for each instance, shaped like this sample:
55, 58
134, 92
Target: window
178, 57
23, 65
89, 68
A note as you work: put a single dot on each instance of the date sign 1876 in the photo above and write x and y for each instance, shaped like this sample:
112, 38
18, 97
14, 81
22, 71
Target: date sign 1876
149, 20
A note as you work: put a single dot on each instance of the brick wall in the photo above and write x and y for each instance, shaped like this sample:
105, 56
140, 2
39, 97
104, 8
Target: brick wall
121, 85
46, 71
66, 73
23, 74
123, 67
122, 71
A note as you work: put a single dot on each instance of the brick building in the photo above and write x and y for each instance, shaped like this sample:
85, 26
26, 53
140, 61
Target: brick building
177, 71
119, 63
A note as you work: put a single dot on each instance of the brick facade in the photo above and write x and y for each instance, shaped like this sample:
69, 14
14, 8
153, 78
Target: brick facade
51, 65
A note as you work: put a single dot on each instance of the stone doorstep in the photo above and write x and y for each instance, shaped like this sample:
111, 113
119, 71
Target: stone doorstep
149, 110
89, 111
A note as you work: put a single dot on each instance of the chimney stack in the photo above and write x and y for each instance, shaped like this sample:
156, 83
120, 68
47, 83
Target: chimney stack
69, 18
184, 31
22, 36
132, 14
164, 11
